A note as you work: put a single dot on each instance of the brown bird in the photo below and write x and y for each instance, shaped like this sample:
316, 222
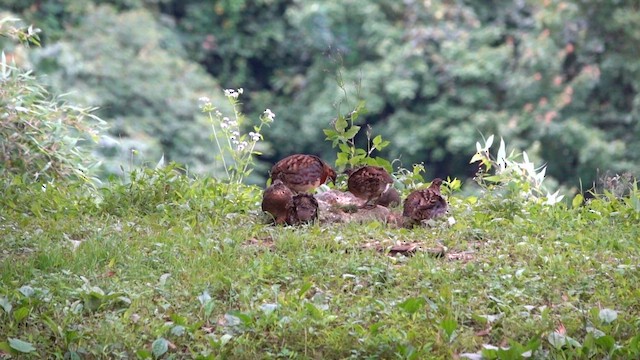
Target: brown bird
389, 198
424, 204
302, 209
368, 183
302, 173
276, 200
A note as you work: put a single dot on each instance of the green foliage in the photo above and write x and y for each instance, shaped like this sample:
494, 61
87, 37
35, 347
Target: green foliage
42, 138
343, 136
517, 179
134, 69
556, 78
239, 148
167, 265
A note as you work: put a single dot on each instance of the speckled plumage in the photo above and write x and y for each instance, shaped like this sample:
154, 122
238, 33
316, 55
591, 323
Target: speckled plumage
276, 200
424, 204
302, 173
302, 209
368, 183
389, 198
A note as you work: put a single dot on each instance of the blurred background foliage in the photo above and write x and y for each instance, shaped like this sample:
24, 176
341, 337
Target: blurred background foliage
559, 79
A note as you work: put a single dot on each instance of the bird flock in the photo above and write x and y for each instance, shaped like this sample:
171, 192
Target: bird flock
289, 200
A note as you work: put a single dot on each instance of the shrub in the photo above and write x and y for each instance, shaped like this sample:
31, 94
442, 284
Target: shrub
41, 136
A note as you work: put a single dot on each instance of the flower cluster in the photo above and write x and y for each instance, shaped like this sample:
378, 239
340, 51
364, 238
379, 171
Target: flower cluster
236, 149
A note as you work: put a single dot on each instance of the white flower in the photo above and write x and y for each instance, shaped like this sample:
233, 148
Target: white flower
254, 136
235, 133
204, 103
269, 114
243, 145
233, 93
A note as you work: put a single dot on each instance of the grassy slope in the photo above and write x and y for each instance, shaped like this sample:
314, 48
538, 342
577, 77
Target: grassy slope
530, 271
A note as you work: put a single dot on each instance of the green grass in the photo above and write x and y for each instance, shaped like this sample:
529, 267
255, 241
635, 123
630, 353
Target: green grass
181, 268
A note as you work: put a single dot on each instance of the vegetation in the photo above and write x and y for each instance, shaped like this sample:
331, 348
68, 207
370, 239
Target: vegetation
165, 263
557, 79
167, 266
41, 137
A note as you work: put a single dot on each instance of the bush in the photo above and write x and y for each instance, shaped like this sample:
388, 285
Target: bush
41, 136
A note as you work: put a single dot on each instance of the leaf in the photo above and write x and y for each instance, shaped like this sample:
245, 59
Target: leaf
351, 133
303, 290
268, 308
557, 340
178, 330
21, 346
204, 297
608, 316
72, 355
6, 305
159, 347
313, 311
606, 342
163, 279
143, 354
244, 318
27, 290
344, 148
341, 124
21, 313
577, 201
377, 141
411, 305
449, 325
208, 308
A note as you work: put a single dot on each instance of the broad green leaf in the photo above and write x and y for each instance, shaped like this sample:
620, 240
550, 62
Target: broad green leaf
606, 342
341, 124
344, 148
449, 325
21, 313
411, 305
351, 133
21, 346
577, 201
159, 347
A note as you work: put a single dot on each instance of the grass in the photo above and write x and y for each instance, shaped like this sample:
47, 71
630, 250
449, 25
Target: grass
169, 267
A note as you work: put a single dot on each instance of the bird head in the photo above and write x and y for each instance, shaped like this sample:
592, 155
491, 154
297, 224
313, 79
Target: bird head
331, 174
435, 184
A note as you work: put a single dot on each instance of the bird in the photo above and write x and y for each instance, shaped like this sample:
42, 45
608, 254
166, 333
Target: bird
302, 172
368, 183
424, 204
302, 209
276, 200
389, 198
